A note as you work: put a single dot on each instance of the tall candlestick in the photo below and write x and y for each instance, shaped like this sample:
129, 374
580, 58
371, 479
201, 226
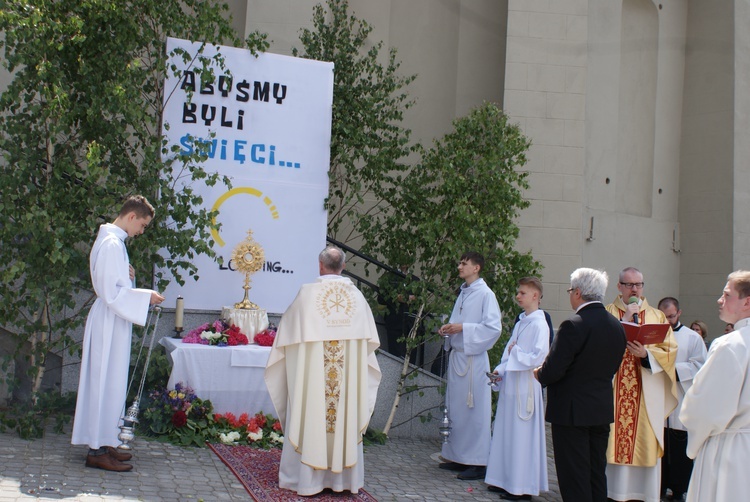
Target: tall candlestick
179, 314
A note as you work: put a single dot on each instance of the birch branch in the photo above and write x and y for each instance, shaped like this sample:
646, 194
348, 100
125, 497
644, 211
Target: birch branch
404, 370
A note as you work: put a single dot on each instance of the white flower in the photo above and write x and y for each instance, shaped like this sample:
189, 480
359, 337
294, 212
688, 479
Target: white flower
229, 438
276, 437
210, 335
255, 436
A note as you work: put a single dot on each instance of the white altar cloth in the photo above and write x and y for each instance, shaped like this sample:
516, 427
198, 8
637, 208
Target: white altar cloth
231, 377
250, 321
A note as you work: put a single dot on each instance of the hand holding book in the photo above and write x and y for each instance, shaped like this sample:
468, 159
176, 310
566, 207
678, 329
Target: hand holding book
646, 334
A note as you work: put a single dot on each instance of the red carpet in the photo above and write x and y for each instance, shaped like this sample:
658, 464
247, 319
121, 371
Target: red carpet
258, 471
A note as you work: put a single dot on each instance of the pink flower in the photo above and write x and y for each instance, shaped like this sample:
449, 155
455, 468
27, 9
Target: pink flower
197, 331
194, 338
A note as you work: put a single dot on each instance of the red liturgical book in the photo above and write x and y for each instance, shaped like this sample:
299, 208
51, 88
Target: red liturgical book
647, 334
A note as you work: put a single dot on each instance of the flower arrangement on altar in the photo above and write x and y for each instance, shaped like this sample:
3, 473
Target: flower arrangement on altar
217, 333
266, 337
182, 418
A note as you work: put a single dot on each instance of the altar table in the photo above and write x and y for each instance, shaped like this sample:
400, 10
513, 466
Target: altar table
231, 377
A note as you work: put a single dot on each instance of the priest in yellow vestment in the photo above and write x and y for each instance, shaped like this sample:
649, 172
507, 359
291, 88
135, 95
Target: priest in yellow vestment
645, 394
323, 375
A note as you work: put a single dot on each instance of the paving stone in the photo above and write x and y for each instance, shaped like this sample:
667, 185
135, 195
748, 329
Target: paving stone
52, 469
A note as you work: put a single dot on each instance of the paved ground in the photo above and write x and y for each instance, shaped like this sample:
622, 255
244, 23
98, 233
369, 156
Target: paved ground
52, 469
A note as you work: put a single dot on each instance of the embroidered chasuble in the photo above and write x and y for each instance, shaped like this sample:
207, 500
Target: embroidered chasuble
643, 397
322, 376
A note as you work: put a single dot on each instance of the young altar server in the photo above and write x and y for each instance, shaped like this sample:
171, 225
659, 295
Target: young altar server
102, 386
517, 466
716, 409
473, 329
323, 376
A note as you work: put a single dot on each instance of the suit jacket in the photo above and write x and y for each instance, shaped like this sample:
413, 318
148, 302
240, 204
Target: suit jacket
584, 357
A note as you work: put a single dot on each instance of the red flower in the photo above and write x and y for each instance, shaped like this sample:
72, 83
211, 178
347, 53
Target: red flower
179, 419
277, 425
230, 418
235, 336
236, 339
265, 338
253, 425
261, 418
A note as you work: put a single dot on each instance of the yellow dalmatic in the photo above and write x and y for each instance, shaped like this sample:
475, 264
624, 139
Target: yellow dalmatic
643, 397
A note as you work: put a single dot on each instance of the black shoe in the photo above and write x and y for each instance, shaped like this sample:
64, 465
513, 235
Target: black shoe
452, 466
496, 489
473, 472
510, 496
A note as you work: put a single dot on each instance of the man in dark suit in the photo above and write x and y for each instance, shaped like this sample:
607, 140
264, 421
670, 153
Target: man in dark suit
585, 355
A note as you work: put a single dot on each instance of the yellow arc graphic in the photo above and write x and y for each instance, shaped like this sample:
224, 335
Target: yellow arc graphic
241, 190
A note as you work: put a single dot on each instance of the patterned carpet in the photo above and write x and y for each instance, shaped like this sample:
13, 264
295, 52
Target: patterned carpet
258, 471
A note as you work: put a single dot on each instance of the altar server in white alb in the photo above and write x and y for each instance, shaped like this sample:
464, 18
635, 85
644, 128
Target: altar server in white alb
517, 466
716, 409
323, 376
474, 327
102, 386
676, 466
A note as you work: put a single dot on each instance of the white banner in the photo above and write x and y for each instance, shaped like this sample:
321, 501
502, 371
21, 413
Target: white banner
271, 121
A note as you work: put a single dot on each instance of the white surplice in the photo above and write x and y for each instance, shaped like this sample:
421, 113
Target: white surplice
102, 386
716, 413
518, 453
468, 396
323, 375
691, 355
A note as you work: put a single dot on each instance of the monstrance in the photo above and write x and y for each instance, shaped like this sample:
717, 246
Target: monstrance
247, 258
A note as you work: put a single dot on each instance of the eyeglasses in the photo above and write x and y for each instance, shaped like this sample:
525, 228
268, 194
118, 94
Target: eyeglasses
570, 290
631, 285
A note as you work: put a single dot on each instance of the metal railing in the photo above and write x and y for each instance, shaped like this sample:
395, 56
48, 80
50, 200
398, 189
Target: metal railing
369, 259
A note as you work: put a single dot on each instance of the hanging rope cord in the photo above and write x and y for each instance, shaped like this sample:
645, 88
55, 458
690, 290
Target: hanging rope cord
529, 412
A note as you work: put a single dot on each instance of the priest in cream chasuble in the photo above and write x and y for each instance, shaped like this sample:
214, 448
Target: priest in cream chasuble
323, 375
645, 394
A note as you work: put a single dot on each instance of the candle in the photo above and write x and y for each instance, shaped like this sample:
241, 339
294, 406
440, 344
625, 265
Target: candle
179, 313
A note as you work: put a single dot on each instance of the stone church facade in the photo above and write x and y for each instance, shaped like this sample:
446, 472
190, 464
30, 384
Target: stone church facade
637, 111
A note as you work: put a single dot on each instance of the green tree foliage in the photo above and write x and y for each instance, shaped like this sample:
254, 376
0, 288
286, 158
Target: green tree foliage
463, 196
367, 140
80, 129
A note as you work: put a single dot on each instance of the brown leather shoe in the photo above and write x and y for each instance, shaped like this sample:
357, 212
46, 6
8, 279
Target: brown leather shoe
117, 454
107, 463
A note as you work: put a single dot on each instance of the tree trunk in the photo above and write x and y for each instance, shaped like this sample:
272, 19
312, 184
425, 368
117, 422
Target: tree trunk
38, 356
404, 371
